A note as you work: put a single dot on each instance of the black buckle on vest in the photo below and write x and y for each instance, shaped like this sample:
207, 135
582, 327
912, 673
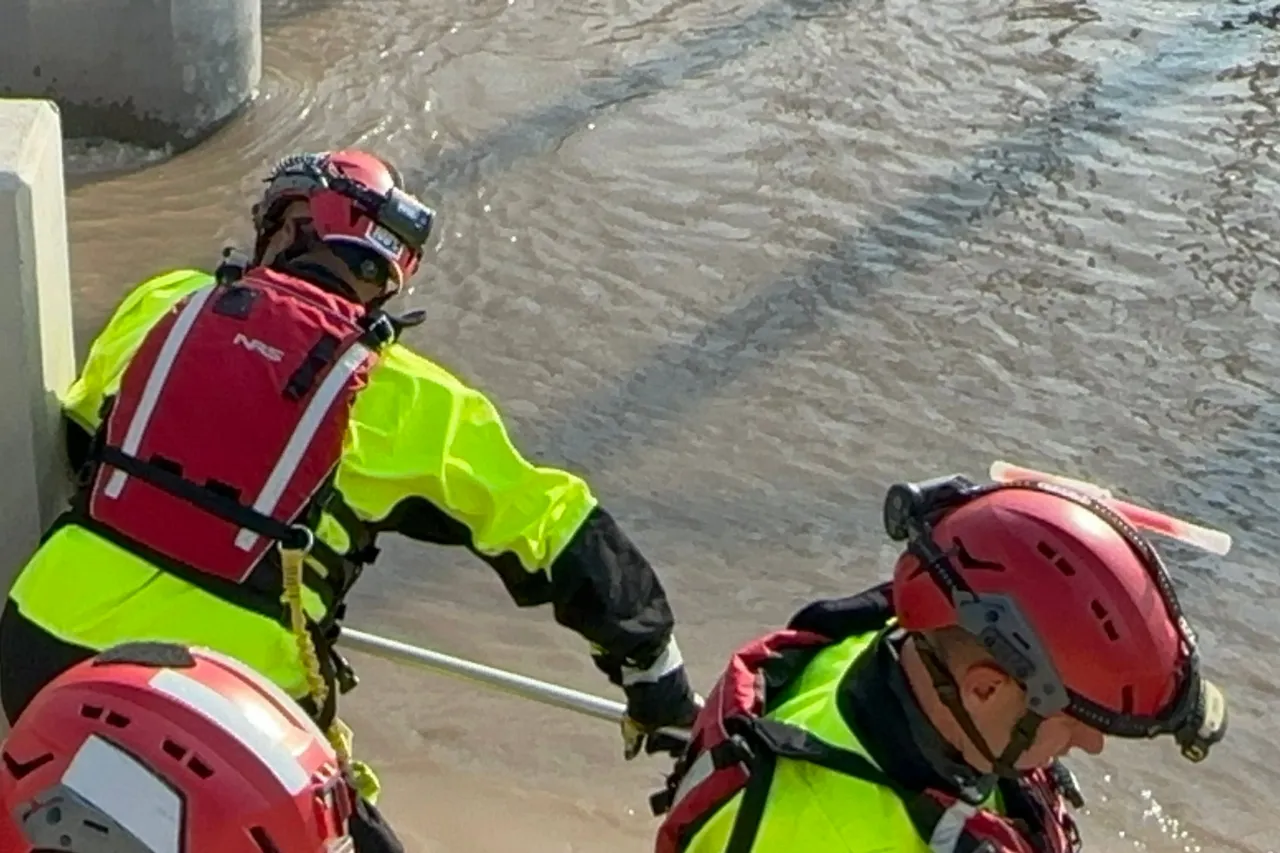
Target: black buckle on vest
660, 801
233, 266
325, 635
343, 673
729, 752
382, 329
379, 329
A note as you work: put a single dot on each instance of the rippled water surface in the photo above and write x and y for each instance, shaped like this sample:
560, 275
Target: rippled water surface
745, 264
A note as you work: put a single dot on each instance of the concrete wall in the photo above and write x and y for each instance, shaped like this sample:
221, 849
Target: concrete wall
145, 71
37, 353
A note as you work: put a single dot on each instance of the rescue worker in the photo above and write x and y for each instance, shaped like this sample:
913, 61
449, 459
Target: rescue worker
928, 714
157, 748
244, 437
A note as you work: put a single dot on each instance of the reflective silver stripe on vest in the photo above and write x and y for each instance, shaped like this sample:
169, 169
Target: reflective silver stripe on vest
946, 834
155, 384
702, 767
302, 436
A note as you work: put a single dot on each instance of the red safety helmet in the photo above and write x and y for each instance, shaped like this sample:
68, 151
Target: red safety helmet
1066, 595
154, 748
354, 198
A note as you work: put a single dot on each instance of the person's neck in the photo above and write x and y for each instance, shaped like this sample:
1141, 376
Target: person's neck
920, 682
935, 728
315, 270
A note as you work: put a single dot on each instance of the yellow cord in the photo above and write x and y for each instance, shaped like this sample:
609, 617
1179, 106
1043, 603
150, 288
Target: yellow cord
338, 733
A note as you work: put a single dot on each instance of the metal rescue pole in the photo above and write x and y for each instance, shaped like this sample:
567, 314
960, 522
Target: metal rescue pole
508, 682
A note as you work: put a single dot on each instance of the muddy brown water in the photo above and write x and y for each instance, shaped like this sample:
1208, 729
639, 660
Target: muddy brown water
744, 265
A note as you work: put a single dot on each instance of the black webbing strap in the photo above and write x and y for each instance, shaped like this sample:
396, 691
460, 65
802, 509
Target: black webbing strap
769, 740
210, 501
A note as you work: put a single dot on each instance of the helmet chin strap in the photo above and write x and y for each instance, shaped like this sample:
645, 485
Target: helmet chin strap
944, 683
382, 299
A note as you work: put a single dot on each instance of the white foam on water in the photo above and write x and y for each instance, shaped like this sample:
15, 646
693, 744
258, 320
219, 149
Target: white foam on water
91, 156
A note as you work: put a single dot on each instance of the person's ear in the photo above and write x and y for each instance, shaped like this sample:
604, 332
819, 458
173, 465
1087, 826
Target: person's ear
981, 684
286, 232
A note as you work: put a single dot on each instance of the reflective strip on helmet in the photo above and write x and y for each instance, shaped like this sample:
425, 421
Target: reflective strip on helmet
950, 827
303, 434
259, 734
155, 384
1214, 541
288, 705
123, 789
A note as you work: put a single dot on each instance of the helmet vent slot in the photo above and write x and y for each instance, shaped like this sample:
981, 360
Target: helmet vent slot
1107, 625
1059, 562
264, 842
198, 767
968, 561
177, 752
21, 769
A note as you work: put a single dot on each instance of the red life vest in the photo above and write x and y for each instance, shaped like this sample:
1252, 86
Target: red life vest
733, 748
227, 428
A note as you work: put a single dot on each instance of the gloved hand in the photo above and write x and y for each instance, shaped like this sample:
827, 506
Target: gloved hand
658, 696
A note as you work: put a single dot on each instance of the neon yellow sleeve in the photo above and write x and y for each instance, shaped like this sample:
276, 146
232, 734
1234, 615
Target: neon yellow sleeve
417, 432
429, 457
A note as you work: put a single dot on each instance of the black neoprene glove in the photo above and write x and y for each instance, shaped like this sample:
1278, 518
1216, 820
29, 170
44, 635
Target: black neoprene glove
658, 697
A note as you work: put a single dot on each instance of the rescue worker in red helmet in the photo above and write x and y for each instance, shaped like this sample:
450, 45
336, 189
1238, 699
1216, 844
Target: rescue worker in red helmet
158, 748
244, 437
929, 714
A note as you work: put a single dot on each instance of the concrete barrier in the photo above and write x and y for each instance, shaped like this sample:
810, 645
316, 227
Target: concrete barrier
154, 73
37, 352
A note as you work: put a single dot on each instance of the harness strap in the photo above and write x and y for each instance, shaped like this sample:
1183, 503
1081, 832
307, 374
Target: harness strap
216, 499
250, 595
342, 570
746, 823
788, 741
162, 475
341, 574
760, 743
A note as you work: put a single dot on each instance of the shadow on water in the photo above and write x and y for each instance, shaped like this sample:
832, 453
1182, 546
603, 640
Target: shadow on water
781, 315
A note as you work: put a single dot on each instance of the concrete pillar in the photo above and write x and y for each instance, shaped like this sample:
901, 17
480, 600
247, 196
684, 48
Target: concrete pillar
37, 352
151, 72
